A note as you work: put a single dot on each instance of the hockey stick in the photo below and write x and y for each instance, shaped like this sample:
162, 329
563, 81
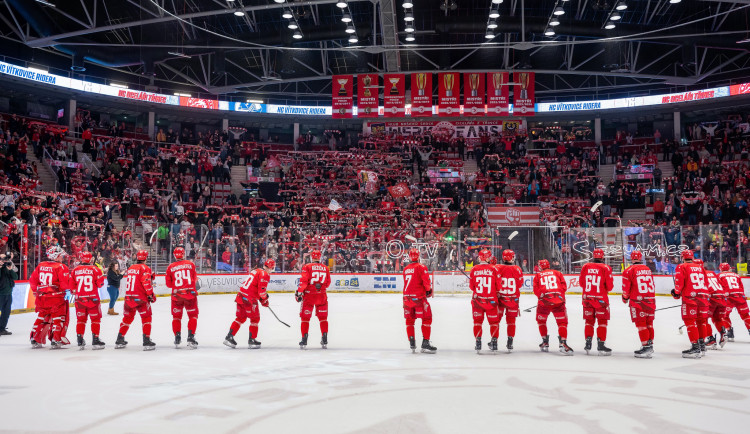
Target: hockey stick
529, 309
670, 307
680, 329
277, 318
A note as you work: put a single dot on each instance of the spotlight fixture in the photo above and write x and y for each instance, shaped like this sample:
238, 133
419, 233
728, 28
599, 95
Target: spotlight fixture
287, 14
615, 16
558, 11
554, 22
408, 17
292, 25
410, 37
341, 4
409, 29
407, 4
353, 39
350, 29
494, 13
610, 25
674, 2
549, 32
497, 2
489, 34
239, 13
347, 17
279, 1
621, 6
297, 34
492, 24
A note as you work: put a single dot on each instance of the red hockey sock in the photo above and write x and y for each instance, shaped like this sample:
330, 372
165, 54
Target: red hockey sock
693, 333
543, 329
125, 324
235, 327
511, 326
588, 329
477, 330
495, 330
324, 326
253, 331
601, 331
95, 327
702, 329
192, 324
643, 332
426, 329
305, 327
176, 325
651, 330
563, 330
410, 328
81, 327
146, 320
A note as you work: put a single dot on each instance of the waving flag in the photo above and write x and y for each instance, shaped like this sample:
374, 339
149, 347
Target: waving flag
399, 190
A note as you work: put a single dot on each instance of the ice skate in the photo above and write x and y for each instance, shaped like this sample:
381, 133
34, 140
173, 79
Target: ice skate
427, 347
478, 346
722, 338
148, 344
602, 349
730, 334
253, 344
412, 344
120, 342
564, 348
81, 342
702, 347
96, 344
493, 345
694, 352
711, 343
229, 341
509, 345
303, 342
177, 339
191, 342
56, 345
645, 352
544, 346
587, 347
35, 345
324, 341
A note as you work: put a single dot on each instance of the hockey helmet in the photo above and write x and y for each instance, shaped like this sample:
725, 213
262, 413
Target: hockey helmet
142, 255
636, 255
724, 267
484, 255
508, 255
543, 264
179, 253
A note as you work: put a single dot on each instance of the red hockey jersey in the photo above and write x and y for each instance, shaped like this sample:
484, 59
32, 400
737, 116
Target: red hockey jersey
50, 279
87, 279
596, 280
638, 285
314, 274
254, 287
511, 281
138, 287
484, 281
732, 285
416, 281
550, 283
690, 281
182, 278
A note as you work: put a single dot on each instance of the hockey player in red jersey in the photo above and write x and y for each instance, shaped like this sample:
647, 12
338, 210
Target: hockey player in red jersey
704, 302
417, 288
483, 281
182, 279
51, 285
250, 293
511, 281
87, 279
596, 280
718, 308
732, 285
550, 288
311, 292
638, 290
690, 283
139, 294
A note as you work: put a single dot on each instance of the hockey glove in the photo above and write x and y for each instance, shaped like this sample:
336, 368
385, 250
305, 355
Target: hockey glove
264, 301
298, 297
675, 295
151, 298
68, 296
428, 293
625, 300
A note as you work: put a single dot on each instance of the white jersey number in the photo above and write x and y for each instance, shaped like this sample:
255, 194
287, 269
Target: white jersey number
645, 284
593, 282
549, 282
484, 285
182, 277
85, 283
508, 286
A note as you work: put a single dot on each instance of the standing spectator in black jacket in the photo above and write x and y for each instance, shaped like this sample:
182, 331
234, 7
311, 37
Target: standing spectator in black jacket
8, 277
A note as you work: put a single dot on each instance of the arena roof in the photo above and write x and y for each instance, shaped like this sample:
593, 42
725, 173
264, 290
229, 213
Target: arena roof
245, 49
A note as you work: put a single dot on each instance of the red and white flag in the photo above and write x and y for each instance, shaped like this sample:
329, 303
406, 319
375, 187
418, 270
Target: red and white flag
399, 190
514, 215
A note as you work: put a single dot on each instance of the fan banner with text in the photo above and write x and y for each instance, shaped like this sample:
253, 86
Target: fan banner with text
421, 95
367, 95
394, 96
342, 96
498, 91
474, 94
449, 93
523, 94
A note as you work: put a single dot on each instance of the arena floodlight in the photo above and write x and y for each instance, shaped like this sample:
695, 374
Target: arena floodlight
409, 29
297, 34
350, 29
615, 16
347, 17
494, 13
492, 24
410, 38
497, 2
674, 2
610, 25
408, 17
554, 22
549, 32
293, 25
279, 1
558, 11
353, 39
489, 34
239, 13
407, 4
621, 6
287, 14
341, 4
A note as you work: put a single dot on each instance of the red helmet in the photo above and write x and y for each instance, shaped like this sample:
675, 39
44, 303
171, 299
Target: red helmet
698, 261
687, 255
509, 255
724, 267
484, 255
179, 253
413, 255
270, 264
315, 255
543, 264
86, 257
598, 254
142, 255
493, 260
636, 255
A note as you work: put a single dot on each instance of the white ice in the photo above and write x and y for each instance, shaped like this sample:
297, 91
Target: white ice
368, 381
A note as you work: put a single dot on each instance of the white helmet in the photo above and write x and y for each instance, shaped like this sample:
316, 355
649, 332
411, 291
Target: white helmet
55, 252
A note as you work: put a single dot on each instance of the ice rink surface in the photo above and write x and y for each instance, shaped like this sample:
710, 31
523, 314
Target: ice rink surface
368, 381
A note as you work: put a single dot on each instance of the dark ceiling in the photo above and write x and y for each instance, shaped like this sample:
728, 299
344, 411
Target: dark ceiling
201, 46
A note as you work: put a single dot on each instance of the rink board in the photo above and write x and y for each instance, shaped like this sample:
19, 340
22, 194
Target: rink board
444, 283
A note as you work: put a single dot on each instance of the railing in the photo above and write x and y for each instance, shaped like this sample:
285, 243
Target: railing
87, 163
47, 159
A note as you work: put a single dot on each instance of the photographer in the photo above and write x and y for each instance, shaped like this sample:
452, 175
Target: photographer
8, 277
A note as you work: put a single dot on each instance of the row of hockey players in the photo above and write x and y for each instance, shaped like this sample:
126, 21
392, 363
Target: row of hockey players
495, 292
